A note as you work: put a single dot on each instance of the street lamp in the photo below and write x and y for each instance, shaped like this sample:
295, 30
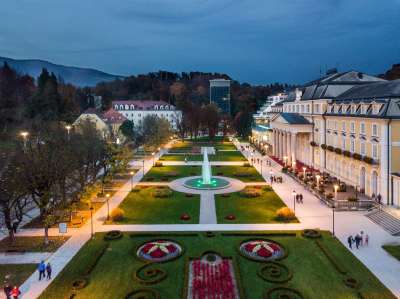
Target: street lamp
108, 206
131, 173
68, 127
294, 201
24, 135
336, 187
143, 167
91, 222
304, 172
152, 154
285, 160
333, 219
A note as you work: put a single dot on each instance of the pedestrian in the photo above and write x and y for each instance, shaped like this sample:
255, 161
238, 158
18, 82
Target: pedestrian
362, 238
301, 197
42, 270
379, 198
350, 241
7, 290
357, 239
366, 240
48, 270
297, 198
185, 160
15, 292
15, 226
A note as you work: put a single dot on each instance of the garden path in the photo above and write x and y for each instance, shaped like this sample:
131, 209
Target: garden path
208, 215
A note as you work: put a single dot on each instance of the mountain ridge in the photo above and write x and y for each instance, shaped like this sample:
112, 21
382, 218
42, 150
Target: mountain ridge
79, 76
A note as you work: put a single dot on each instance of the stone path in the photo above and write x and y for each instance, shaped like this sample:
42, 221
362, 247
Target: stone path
199, 163
21, 258
208, 214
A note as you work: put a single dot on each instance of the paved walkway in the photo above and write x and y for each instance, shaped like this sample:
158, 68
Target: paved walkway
208, 215
21, 258
199, 163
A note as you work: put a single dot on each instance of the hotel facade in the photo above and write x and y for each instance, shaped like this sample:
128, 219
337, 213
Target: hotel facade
344, 124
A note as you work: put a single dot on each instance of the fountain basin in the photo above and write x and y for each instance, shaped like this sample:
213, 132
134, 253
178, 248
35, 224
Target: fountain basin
215, 183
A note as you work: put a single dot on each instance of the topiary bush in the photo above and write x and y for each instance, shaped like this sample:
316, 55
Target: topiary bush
162, 193
185, 217
113, 235
285, 214
275, 272
158, 164
250, 193
268, 188
117, 214
143, 294
149, 276
311, 233
282, 293
80, 283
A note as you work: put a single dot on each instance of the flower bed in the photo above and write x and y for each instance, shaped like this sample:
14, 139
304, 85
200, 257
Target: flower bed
143, 294
261, 250
113, 235
159, 251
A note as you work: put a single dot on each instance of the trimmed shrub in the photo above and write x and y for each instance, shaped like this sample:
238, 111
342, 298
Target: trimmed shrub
368, 160
285, 214
250, 193
275, 272
143, 294
242, 174
80, 283
313, 143
117, 214
323, 146
185, 217
268, 188
346, 153
311, 234
113, 235
352, 283
158, 164
357, 156
352, 199
246, 164
338, 151
230, 217
162, 193
330, 148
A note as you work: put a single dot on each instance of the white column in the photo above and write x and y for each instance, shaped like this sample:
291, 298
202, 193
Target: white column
281, 145
384, 159
293, 147
284, 145
322, 141
288, 146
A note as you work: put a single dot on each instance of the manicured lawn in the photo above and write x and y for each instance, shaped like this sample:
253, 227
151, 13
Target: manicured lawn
31, 244
142, 207
187, 146
314, 275
170, 173
260, 209
393, 250
243, 173
219, 156
16, 274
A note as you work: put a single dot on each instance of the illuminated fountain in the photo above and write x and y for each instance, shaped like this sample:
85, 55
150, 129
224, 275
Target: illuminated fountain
206, 181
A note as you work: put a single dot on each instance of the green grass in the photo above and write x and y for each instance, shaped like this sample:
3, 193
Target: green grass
219, 156
16, 274
170, 173
313, 274
393, 250
187, 146
260, 209
251, 173
143, 208
31, 244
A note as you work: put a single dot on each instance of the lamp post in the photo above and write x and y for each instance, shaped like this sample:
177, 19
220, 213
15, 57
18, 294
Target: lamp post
68, 128
356, 192
91, 222
294, 201
333, 219
143, 167
159, 152
336, 187
24, 135
304, 172
252, 155
152, 154
108, 206
132, 173
285, 160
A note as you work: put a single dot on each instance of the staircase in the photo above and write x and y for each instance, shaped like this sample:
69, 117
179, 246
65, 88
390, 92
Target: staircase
385, 220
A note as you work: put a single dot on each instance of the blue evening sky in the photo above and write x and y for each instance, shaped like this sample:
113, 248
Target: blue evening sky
257, 41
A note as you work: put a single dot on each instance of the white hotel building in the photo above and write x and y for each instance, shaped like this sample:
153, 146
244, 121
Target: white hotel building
136, 111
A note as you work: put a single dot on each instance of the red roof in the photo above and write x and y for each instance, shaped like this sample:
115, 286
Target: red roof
112, 116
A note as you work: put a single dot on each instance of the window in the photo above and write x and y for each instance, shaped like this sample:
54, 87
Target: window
375, 151
362, 148
352, 127
316, 108
352, 145
363, 109
374, 130
375, 109
343, 144
344, 126
353, 108
362, 128
335, 125
297, 108
308, 108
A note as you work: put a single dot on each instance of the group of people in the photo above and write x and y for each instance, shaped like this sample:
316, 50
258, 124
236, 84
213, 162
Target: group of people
360, 239
44, 270
11, 292
299, 197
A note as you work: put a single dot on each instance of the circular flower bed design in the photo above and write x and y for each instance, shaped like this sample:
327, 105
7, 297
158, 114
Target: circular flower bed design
261, 250
159, 251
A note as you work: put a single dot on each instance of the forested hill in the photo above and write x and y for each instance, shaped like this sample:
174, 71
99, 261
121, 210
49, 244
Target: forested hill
74, 75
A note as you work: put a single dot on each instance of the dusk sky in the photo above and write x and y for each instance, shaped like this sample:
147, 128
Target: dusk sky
252, 41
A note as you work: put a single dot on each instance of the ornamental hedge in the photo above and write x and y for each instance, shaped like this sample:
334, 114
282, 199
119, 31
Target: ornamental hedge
143, 294
357, 156
330, 148
149, 276
113, 235
338, 150
275, 272
323, 146
368, 160
331, 258
282, 293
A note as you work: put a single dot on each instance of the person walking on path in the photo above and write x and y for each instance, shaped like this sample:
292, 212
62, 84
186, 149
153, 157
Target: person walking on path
42, 270
350, 241
48, 270
301, 197
366, 240
362, 238
7, 290
15, 292
357, 239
